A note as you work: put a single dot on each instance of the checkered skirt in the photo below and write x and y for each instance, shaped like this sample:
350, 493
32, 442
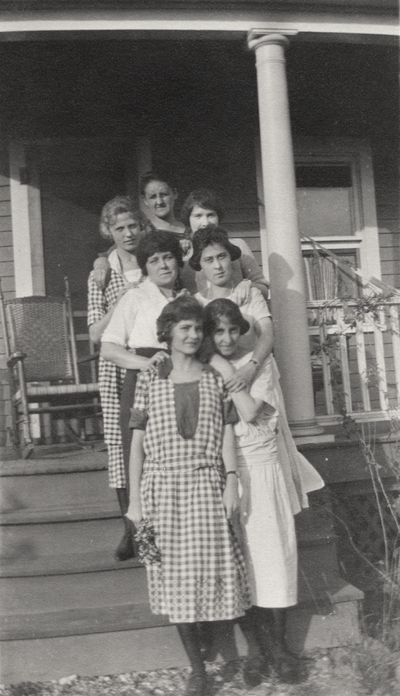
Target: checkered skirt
111, 379
202, 575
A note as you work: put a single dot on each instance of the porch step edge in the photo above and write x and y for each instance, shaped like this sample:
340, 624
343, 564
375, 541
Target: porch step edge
52, 513
65, 564
64, 464
126, 617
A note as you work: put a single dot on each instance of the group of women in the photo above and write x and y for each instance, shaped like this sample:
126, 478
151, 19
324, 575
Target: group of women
211, 465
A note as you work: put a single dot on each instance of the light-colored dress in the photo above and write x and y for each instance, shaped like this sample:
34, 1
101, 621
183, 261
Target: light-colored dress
275, 479
111, 377
202, 575
267, 529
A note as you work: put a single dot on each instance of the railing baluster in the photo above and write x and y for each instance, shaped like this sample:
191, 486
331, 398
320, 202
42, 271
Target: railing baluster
331, 323
380, 364
362, 365
326, 367
394, 325
344, 359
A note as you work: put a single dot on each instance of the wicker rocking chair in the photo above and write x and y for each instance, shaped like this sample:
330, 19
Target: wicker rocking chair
43, 366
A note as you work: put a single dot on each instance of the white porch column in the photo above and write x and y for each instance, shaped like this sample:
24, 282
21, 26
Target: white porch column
288, 298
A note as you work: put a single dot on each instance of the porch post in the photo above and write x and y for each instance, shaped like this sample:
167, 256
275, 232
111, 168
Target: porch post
288, 297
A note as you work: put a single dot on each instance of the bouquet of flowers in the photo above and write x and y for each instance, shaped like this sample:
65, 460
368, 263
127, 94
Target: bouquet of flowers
145, 537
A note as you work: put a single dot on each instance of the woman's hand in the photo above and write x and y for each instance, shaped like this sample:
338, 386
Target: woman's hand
158, 358
235, 383
126, 287
231, 496
134, 512
241, 294
187, 248
101, 272
246, 373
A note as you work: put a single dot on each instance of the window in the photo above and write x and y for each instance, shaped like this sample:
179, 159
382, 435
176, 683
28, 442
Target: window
336, 208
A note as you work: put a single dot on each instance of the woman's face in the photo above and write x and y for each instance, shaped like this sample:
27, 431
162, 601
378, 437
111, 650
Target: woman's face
186, 336
202, 217
226, 337
162, 269
160, 199
217, 264
125, 232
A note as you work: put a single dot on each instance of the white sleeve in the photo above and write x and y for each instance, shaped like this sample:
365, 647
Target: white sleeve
258, 307
122, 321
263, 385
243, 246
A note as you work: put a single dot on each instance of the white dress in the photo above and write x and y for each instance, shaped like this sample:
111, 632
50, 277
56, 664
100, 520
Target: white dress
267, 531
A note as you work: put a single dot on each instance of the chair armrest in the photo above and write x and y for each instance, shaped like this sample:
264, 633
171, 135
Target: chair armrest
15, 357
88, 358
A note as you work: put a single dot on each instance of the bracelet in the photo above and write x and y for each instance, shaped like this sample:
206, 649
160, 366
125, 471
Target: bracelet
232, 472
255, 362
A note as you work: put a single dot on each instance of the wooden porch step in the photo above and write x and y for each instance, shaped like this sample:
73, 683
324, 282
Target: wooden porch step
50, 514
52, 593
71, 622
62, 462
129, 615
64, 564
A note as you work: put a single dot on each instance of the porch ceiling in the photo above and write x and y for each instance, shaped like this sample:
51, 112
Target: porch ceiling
69, 89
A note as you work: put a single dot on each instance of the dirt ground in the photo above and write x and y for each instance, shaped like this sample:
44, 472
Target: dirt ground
355, 671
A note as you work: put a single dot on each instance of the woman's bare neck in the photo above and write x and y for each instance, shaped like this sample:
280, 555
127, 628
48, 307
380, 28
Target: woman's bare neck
217, 291
128, 260
185, 368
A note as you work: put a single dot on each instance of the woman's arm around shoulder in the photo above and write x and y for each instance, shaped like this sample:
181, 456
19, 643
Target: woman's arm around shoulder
246, 406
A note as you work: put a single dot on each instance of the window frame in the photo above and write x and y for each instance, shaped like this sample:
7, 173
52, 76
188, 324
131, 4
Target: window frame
357, 154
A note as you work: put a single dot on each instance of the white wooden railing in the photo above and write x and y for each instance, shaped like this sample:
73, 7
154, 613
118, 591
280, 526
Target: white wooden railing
355, 354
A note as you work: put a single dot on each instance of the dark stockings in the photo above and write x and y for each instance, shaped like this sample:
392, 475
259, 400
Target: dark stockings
189, 635
125, 549
269, 629
217, 637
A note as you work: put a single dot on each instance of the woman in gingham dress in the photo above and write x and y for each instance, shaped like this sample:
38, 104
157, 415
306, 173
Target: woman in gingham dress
183, 480
122, 223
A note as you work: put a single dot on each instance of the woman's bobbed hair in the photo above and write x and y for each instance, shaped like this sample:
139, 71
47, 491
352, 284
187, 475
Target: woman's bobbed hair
223, 308
208, 236
118, 205
156, 242
204, 198
181, 309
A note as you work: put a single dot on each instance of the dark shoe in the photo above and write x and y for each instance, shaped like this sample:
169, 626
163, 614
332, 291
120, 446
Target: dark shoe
125, 549
196, 686
289, 668
255, 670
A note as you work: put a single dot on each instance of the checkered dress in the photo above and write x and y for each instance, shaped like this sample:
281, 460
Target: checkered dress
202, 576
111, 379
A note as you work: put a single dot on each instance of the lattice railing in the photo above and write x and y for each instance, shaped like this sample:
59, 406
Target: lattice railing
355, 354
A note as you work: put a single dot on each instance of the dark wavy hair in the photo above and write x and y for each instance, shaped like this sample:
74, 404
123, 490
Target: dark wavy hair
155, 242
222, 308
154, 176
204, 198
206, 237
216, 310
114, 207
183, 308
